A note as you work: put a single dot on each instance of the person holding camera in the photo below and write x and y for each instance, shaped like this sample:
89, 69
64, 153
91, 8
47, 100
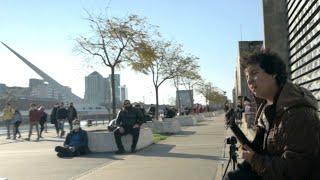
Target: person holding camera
128, 121
287, 141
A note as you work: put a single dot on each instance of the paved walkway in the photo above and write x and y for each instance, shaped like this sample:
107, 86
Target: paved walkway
195, 153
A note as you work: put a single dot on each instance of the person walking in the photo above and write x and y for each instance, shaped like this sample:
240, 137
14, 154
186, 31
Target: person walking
17, 119
43, 119
238, 113
72, 114
34, 118
62, 114
53, 117
8, 112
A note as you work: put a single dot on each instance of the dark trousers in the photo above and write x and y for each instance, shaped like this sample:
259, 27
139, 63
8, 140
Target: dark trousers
127, 130
70, 123
31, 124
244, 171
16, 129
56, 126
8, 123
41, 126
66, 152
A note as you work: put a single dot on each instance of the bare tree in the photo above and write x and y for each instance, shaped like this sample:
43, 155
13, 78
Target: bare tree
112, 42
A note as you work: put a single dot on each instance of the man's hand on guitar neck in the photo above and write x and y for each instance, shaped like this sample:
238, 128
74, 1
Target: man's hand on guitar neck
247, 153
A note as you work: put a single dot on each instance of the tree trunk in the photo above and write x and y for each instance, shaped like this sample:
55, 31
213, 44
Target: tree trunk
113, 90
179, 102
191, 98
157, 103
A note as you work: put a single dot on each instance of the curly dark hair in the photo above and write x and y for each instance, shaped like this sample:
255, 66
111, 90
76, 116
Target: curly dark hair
270, 62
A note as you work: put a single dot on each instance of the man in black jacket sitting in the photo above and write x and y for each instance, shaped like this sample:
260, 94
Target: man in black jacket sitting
129, 120
76, 142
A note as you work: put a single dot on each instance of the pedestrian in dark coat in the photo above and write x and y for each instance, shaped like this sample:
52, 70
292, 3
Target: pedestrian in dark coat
62, 114
72, 114
43, 119
128, 121
53, 117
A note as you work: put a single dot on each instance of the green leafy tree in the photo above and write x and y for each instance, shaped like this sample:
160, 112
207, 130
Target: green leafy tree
163, 60
187, 78
212, 94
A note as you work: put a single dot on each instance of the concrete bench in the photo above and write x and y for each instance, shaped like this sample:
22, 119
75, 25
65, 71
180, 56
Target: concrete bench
170, 127
209, 114
185, 120
103, 140
199, 117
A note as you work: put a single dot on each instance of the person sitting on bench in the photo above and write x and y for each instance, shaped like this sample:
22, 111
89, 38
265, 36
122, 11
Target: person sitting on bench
128, 121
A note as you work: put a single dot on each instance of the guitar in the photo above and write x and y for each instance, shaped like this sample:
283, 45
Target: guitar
230, 122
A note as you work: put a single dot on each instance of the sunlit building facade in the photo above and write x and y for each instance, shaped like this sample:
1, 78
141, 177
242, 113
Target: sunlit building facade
304, 43
297, 23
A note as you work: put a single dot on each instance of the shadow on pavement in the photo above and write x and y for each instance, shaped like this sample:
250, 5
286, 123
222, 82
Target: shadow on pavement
163, 150
185, 133
201, 124
102, 155
95, 156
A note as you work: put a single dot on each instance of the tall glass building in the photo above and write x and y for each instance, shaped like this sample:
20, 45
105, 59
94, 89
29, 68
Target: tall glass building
304, 43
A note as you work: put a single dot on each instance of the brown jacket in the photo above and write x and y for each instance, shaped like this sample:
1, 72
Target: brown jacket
291, 145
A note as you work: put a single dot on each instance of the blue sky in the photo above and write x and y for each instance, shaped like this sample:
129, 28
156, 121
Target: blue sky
43, 32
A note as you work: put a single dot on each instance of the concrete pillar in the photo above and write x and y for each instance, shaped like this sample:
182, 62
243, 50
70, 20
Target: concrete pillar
276, 28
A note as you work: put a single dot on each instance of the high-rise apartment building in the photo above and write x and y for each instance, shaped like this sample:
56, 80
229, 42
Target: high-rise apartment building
95, 89
124, 93
117, 89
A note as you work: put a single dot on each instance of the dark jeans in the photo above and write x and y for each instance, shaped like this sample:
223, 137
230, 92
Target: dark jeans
70, 123
16, 129
56, 125
244, 171
31, 124
127, 130
66, 152
8, 123
41, 126
61, 126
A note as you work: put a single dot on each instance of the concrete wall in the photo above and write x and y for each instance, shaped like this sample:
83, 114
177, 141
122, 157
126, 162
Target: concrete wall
276, 27
103, 141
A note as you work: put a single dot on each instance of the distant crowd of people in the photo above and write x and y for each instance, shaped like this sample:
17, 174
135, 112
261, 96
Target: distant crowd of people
128, 121
37, 116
